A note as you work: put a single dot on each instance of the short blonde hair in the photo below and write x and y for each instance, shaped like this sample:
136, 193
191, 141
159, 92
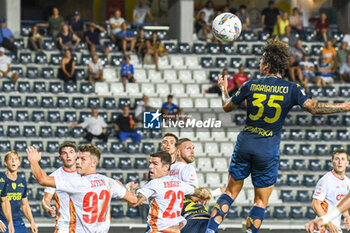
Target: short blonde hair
12, 152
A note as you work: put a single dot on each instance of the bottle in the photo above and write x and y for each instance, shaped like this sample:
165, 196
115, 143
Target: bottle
130, 120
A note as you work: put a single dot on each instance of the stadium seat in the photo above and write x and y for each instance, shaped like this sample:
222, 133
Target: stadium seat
45, 131
117, 211
336, 147
201, 103
148, 148
22, 116
296, 135
296, 212
116, 148
13, 131
342, 135
305, 149
102, 146
46, 73
70, 116
25, 58
257, 49
54, 116
62, 102
287, 196
23, 87
84, 115
252, 63
309, 36
133, 148
77, 132
40, 58
346, 120
316, 91
214, 48
206, 62
184, 48
62, 132
47, 102
141, 163
235, 63
132, 89
85, 59
31, 179
302, 120
240, 119
199, 48
185, 76
170, 47
316, 50
289, 149
284, 165
317, 120
133, 177
292, 180
333, 120
108, 163
113, 117
311, 135
40, 147
310, 214
25, 163
344, 91
8, 86
280, 212
321, 149
116, 60
39, 194
219, 164
81, 74
57, 162
52, 147
39, 87
49, 45
299, 165
20, 146
70, 87
221, 62
31, 102
133, 212
245, 211
6, 115
204, 164
86, 88
156, 134
109, 103
328, 166
78, 102
309, 180
243, 49
124, 102
327, 135
214, 76
36, 210
5, 146
29, 131
232, 213
2, 101
228, 49
56, 59
303, 196
329, 92
93, 102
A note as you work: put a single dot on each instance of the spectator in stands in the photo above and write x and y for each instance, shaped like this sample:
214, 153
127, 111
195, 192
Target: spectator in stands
143, 107
269, 17
230, 84
140, 12
92, 38
170, 110
201, 27
67, 40
67, 70
295, 21
127, 71
5, 68
344, 71
209, 12
322, 27
76, 25
95, 69
329, 53
298, 51
151, 55
292, 39
95, 126
158, 45
141, 43
240, 78
342, 54
324, 72
54, 24
124, 124
243, 16
125, 37
295, 70
6, 38
116, 23
281, 24
346, 39
35, 41
308, 70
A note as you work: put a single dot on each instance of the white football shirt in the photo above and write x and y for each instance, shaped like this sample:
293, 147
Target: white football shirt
165, 196
330, 190
91, 196
65, 217
184, 172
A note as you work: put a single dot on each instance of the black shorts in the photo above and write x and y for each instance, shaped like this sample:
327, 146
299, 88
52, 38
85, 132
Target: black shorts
195, 226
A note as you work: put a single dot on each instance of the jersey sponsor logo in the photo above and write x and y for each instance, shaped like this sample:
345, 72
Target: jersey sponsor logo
14, 196
269, 88
2, 180
21, 185
174, 172
14, 185
339, 197
170, 184
257, 130
98, 183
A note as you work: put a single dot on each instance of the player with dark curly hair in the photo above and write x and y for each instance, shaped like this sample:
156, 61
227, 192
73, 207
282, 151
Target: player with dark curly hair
269, 99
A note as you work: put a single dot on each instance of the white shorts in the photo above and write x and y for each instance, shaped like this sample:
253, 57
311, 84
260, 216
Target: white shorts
326, 79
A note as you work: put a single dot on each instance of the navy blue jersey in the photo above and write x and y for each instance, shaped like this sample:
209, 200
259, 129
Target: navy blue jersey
269, 100
16, 190
3, 191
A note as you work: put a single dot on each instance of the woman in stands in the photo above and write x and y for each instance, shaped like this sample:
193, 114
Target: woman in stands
67, 70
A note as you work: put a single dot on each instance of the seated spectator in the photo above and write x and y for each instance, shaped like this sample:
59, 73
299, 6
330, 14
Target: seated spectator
170, 110
209, 12
292, 39
295, 21
324, 72
346, 39
143, 107
158, 45
95, 126
76, 25
329, 53
243, 16
308, 70
125, 37
67, 39
54, 24
240, 78
298, 51
141, 43
201, 27
344, 71
269, 17
116, 24
295, 70
281, 24
124, 124
230, 84
95, 69
92, 38
322, 27
67, 70
6, 38
151, 55
127, 71
5, 70
342, 54
140, 12
35, 41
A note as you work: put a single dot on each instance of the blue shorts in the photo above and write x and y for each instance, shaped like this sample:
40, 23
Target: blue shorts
195, 226
133, 135
255, 157
19, 226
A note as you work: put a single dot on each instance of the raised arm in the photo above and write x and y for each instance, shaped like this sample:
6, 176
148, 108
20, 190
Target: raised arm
325, 108
227, 104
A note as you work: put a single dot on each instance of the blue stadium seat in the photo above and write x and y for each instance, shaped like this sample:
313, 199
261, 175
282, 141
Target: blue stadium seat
36, 211
47, 102
70, 116
296, 212
318, 120
316, 50
305, 149
287, 196
116, 148
344, 91
30, 194
25, 58
309, 36
2, 134
162, 35
284, 165
240, 119
104, 115
346, 120
108, 163
80, 74
84, 115
77, 132
39, 194
316, 91
47, 73
57, 162
124, 102
22, 116
52, 147
133, 212
19, 42
248, 36
321, 149
78, 102
199, 48
148, 148
2, 101
86, 88
31, 179
31, 102
214, 48
70, 87
299, 165
245, 211
55, 87
133, 177
329, 92
133, 148
257, 49
303, 196
292, 180
13, 131
243, 49
334, 147
56, 59
116, 60
25, 30
328, 166
289, 149
8, 86
109, 103
20, 146
156, 134
5, 146
62, 102
117, 211
170, 47
49, 45
141, 163
23, 87
39, 87
102, 146
236, 62
333, 120
39, 146
302, 120
15, 102
342, 135
221, 62
228, 49
85, 59
214, 76
6, 116
309, 180
296, 135
232, 213
118, 176
280, 212
54, 116
40, 58
113, 117
45, 131
310, 214
124, 163
184, 48
62, 132
327, 135
25, 163
311, 135
206, 62
93, 102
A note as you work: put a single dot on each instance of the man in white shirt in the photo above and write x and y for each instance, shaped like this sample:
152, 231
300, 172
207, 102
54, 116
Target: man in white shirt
140, 12
5, 62
116, 22
95, 126
95, 69
142, 107
330, 189
344, 70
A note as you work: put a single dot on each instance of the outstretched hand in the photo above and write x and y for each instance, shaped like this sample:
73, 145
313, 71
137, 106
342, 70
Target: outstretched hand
222, 82
33, 155
316, 224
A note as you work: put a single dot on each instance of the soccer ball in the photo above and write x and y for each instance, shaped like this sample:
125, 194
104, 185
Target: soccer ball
227, 27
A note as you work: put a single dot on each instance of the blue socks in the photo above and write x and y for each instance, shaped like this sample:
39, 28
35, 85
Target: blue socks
256, 215
219, 212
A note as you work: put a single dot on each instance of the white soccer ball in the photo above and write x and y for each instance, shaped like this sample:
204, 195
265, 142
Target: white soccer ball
227, 27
